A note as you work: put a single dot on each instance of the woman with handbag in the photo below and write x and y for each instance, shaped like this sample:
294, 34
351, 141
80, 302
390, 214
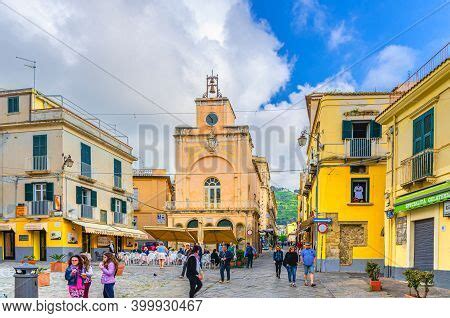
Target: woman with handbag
193, 272
291, 261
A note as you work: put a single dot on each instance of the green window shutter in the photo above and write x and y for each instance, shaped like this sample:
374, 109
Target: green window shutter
94, 199
124, 206
113, 204
428, 129
418, 135
40, 145
346, 129
375, 129
49, 190
117, 167
79, 195
85, 154
29, 192
13, 104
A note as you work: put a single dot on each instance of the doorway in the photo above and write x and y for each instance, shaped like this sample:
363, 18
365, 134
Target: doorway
42, 245
86, 239
119, 244
9, 245
424, 244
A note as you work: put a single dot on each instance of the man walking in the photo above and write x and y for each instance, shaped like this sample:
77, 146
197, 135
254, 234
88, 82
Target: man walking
225, 259
278, 259
249, 250
308, 256
193, 272
187, 253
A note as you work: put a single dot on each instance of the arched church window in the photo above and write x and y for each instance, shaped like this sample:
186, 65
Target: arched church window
212, 193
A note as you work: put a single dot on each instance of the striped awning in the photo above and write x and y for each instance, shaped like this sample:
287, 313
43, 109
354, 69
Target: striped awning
101, 229
5, 227
35, 226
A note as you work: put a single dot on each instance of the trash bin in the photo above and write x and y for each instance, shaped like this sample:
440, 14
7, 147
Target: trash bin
26, 281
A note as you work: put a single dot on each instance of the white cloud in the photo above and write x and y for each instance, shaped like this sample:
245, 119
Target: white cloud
339, 35
390, 68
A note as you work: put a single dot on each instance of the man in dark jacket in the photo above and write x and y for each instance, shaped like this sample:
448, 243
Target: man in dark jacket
193, 272
278, 259
249, 254
187, 253
225, 259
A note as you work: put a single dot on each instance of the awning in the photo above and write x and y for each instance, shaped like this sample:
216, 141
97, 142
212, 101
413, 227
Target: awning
172, 234
127, 232
305, 224
102, 229
421, 198
215, 235
5, 227
35, 226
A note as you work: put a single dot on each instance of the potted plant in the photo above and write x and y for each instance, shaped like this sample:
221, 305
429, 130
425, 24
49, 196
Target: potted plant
28, 259
58, 265
373, 270
121, 267
239, 258
43, 277
415, 278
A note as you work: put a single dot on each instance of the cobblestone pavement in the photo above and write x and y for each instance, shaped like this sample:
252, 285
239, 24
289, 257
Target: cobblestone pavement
150, 281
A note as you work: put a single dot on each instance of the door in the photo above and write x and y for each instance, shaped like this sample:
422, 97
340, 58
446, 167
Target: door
424, 244
9, 245
423, 139
86, 239
43, 246
360, 145
119, 244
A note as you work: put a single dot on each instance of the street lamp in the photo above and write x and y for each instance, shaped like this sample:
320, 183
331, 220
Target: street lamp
302, 140
68, 162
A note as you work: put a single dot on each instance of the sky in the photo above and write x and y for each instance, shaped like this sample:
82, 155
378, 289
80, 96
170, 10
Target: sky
128, 62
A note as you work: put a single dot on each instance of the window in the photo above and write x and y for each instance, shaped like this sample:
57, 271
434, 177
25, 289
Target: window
192, 224
358, 169
161, 218
117, 173
103, 217
118, 206
423, 131
360, 129
13, 104
40, 192
360, 191
85, 196
85, 160
40, 152
136, 199
225, 223
212, 192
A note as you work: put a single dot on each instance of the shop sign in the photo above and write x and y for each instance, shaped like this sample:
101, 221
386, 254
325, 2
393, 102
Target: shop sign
55, 235
57, 202
102, 241
432, 199
24, 238
447, 208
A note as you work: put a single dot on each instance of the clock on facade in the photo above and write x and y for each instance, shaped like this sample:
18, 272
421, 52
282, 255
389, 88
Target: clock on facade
211, 119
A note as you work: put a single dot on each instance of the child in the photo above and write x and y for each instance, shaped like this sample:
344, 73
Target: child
87, 274
73, 275
109, 267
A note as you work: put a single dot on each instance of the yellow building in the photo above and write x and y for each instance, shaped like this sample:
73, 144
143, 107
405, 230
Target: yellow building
343, 186
291, 231
218, 181
152, 189
418, 172
66, 183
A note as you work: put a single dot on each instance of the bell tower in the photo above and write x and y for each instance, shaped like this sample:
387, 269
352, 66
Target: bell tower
213, 110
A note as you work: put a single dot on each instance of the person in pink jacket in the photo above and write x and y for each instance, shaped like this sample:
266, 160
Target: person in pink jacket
109, 267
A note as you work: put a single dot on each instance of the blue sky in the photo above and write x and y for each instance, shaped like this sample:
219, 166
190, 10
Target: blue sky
366, 24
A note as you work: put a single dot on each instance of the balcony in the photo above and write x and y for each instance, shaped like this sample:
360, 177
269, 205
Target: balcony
120, 218
37, 165
39, 208
419, 167
86, 170
117, 182
361, 147
86, 211
202, 205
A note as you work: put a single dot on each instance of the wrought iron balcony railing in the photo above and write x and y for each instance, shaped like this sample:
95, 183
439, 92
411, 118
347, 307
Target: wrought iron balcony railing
361, 147
202, 205
418, 167
86, 211
39, 207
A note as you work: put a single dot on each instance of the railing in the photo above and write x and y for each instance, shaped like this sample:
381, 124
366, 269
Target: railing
119, 218
361, 147
86, 170
418, 167
202, 205
39, 207
86, 211
118, 181
40, 163
421, 73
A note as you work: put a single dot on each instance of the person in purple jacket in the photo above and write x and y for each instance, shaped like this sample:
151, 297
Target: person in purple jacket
109, 267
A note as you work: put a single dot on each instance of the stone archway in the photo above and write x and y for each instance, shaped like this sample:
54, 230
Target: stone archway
192, 224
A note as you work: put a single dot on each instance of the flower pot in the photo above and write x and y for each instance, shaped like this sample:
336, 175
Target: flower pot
120, 269
239, 263
58, 266
44, 279
31, 262
375, 285
232, 263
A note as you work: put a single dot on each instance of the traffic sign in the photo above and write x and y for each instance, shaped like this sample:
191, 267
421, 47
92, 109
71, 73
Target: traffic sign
322, 220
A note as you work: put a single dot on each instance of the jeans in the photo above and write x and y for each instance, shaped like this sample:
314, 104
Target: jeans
292, 273
278, 265
224, 267
86, 289
195, 284
108, 290
250, 261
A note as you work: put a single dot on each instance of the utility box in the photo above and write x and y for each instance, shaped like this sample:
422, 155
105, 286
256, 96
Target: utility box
26, 281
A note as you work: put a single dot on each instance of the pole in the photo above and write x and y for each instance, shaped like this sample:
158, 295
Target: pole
33, 66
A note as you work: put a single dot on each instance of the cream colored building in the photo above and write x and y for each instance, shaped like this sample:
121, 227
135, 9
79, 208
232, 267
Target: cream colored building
66, 183
218, 181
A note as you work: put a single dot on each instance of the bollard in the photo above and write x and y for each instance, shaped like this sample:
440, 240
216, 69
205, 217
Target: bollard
26, 281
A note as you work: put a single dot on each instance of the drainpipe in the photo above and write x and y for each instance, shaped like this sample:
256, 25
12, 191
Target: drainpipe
393, 133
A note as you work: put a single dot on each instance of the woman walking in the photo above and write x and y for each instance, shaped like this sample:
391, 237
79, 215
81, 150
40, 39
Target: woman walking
87, 273
193, 272
73, 275
291, 261
162, 253
278, 259
109, 267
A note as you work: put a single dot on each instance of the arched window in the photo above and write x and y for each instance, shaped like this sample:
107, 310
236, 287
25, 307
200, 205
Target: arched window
225, 223
192, 224
212, 193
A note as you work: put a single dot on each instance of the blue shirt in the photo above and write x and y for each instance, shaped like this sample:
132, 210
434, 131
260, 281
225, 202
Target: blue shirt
308, 256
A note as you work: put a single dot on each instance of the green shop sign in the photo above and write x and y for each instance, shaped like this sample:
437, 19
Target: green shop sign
429, 196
